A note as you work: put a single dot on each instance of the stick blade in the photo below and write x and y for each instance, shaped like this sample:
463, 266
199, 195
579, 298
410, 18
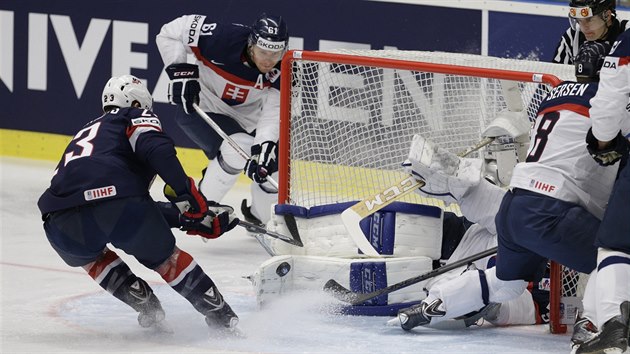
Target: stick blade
338, 291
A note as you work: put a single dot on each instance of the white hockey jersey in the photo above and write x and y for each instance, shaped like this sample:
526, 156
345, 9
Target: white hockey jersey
610, 104
558, 163
230, 85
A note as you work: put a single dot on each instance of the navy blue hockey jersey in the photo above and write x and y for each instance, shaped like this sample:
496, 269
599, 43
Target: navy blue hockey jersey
114, 156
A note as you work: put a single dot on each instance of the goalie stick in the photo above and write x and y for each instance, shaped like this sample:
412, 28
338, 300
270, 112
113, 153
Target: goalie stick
227, 138
353, 215
341, 293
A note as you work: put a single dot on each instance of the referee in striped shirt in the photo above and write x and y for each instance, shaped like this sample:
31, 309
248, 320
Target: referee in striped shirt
590, 20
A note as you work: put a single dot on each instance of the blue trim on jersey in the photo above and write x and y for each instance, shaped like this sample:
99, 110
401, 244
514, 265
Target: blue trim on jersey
612, 260
485, 291
569, 92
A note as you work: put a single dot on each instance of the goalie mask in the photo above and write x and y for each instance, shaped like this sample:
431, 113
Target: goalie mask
123, 91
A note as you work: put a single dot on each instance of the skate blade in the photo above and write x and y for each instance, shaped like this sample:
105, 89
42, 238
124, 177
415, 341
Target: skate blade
394, 322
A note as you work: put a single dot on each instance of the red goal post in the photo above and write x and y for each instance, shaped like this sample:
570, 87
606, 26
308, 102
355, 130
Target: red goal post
347, 118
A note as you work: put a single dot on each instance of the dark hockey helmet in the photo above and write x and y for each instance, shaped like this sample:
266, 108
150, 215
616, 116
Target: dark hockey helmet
269, 33
589, 60
589, 8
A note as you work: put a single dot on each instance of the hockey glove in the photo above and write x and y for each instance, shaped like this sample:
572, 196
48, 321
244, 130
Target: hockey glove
263, 162
198, 216
617, 149
446, 176
218, 220
184, 88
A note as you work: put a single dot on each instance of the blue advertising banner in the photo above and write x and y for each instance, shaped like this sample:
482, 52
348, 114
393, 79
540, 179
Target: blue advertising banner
57, 55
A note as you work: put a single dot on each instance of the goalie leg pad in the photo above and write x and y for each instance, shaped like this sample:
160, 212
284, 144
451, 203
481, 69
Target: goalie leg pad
400, 229
282, 275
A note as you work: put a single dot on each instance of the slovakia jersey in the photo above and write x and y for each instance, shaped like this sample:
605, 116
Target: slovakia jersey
111, 157
610, 104
230, 85
558, 163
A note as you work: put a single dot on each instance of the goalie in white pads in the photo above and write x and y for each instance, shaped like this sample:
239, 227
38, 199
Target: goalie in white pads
551, 212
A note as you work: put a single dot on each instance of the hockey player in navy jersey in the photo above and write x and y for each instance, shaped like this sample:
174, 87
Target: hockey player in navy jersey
557, 198
608, 289
235, 78
100, 194
591, 20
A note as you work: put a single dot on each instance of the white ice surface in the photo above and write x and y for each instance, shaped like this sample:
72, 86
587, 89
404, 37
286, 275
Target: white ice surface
48, 307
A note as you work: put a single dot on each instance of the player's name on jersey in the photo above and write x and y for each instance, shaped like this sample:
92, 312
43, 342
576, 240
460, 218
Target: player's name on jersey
567, 89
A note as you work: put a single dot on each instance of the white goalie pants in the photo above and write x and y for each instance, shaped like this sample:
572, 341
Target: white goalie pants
474, 289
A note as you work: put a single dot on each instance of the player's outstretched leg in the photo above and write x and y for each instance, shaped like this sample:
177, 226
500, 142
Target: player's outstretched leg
420, 314
113, 275
614, 335
186, 277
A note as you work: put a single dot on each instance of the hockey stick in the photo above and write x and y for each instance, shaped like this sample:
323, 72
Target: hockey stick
339, 292
262, 230
227, 138
353, 215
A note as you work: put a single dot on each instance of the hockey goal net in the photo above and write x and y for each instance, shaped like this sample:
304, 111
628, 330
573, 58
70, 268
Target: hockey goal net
348, 117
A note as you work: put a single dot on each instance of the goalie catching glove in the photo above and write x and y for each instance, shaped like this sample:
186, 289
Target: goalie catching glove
446, 176
617, 149
198, 216
184, 88
264, 161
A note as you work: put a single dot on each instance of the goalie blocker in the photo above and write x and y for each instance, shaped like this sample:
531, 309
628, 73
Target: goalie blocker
409, 235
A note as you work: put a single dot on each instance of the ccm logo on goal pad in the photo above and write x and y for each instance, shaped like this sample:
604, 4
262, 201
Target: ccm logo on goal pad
98, 193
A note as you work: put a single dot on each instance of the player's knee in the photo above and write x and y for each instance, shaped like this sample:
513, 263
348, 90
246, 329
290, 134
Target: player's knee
174, 266
503, 290
102, 265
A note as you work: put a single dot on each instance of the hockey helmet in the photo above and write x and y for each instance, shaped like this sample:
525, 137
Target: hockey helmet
589, 60
589, 8
269, 33
122, 91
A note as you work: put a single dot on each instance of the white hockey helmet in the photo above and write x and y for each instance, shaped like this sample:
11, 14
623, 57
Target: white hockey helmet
123, 91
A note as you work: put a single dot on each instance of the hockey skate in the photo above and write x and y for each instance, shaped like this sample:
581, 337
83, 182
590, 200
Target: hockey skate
249, 217
614, 335
583, 331
219, 314
151, 315
420, 314
222, 318
488, 312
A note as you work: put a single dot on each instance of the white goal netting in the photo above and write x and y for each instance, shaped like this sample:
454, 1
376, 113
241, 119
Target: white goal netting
349, 116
